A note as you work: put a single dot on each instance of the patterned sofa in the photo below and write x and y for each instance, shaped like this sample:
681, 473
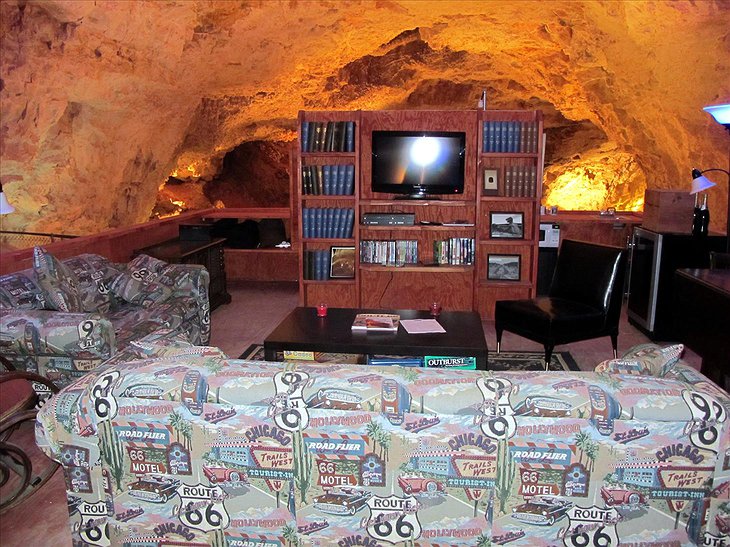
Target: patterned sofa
191, 448
61, 319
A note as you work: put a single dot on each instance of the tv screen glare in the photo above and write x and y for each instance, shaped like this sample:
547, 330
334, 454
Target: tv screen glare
418, 163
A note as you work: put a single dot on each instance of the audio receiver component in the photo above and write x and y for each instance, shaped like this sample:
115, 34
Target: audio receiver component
389, 219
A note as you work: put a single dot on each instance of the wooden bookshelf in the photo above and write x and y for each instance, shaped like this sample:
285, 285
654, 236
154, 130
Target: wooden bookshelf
416, 285
518, 164
315, 197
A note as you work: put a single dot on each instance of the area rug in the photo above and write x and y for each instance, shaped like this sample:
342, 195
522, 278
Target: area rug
507, 360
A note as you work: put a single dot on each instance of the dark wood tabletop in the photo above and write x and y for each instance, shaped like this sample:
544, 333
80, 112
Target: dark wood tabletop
302, 330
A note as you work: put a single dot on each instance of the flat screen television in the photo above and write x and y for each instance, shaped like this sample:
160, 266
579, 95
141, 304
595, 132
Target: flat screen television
418, 163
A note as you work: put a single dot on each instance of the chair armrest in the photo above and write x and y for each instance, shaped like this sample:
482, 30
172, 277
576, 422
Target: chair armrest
59, 346
42, 387
30, 376
193, 280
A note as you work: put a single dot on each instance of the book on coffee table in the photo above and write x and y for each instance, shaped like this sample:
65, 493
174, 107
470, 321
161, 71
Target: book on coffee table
368, 322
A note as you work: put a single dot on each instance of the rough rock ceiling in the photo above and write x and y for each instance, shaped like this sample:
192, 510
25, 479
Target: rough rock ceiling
101, 101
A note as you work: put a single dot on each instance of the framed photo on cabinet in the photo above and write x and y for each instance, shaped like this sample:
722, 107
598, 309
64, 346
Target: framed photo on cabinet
491, 180
503, 267
506, 225
342, 262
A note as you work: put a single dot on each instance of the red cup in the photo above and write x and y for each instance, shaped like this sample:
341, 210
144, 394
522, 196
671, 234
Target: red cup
435, 308
321, 309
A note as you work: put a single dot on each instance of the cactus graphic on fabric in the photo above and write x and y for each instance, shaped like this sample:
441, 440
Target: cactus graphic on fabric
505, 475
302, 465
111, 452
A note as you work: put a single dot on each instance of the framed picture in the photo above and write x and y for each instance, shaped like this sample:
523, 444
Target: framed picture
503, 267
491, 187
506, 225
342, 262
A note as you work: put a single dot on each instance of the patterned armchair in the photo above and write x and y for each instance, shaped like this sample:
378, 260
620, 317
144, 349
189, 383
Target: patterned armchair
61, 319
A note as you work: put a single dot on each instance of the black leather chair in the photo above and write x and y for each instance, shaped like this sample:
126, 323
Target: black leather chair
584, 300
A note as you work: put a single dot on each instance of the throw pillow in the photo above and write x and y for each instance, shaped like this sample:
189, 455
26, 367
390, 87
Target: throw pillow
58, 282
656, 358
623, 366
95, 275
140, 283
644, 359
20, 291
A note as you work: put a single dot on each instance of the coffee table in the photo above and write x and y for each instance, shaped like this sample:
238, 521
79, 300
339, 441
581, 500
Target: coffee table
302, 330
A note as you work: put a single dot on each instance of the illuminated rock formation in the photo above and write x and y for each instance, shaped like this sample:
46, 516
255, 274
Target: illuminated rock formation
103, 101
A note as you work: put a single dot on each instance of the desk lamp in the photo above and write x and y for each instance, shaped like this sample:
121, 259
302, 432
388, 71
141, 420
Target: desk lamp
721, 114
5, 207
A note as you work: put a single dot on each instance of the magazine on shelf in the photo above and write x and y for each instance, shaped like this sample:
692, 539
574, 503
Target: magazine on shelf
387, 322
401, 360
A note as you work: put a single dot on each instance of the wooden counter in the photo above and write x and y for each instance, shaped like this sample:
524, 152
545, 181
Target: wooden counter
702, 318
593, 227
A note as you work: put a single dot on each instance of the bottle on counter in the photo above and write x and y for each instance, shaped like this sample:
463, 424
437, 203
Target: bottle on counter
701, 218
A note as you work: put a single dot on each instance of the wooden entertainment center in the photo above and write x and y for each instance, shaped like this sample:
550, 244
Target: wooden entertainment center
508, 142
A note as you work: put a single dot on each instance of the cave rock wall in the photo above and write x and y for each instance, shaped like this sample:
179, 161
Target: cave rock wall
103, 101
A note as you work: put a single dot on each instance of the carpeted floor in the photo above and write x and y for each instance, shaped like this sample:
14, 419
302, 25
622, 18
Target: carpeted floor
507, 360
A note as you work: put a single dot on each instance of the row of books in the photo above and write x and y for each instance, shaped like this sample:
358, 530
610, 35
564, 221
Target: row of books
456, 251
389, 252
328, 180
317, 264
327, 222
520, 181
506, 137
328, 137
429, 361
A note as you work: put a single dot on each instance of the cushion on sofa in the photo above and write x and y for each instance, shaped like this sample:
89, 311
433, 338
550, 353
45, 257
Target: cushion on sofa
142, 283
95, 275
171, 343
645, 360
59, 284
21, 291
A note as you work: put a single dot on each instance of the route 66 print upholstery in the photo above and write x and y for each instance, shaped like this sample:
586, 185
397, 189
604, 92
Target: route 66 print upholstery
204, 450
61, 319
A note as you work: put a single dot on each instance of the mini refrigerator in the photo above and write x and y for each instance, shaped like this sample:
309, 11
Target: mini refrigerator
654, 258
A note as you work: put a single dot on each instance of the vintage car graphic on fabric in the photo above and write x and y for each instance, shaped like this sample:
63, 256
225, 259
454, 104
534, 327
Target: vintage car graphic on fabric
622, 497
420, 485
604, 410
154, 488
217, 475
547, 407
194, 392
342, 500
335, 399
395, 401
542, 510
